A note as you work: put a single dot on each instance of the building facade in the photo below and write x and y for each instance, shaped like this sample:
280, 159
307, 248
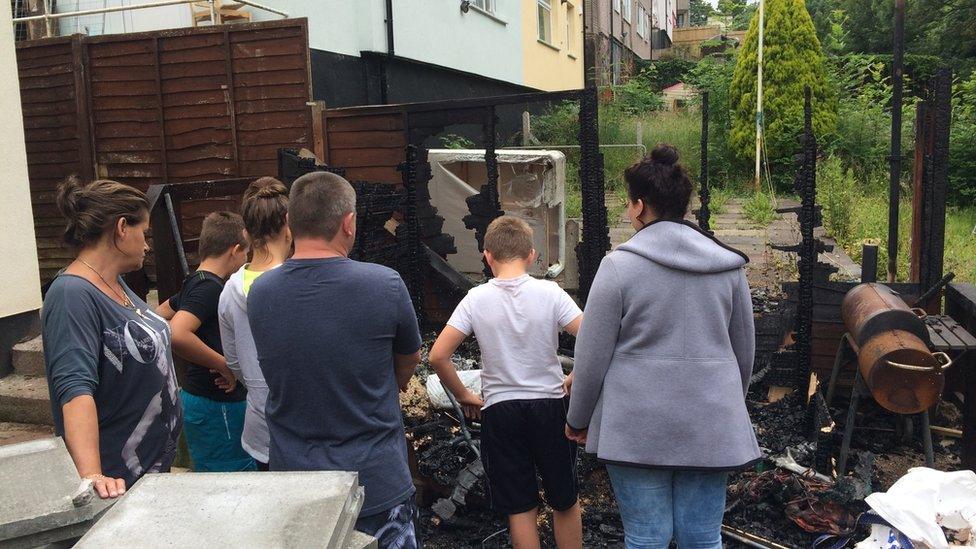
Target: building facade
552, 44
388, 51
628, 30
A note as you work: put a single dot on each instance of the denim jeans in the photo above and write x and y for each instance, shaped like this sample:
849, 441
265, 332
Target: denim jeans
657, 505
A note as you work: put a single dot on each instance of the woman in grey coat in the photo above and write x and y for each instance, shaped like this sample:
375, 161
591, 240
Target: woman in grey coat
663, 361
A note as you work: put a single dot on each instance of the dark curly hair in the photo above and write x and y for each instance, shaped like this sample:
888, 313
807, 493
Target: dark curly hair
661, 182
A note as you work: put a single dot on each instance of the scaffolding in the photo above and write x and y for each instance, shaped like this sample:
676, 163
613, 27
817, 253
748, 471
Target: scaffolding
49, 18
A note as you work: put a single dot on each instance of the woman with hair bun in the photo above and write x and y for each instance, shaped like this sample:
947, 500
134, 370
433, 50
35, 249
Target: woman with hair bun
264, 210
108, 356
663, 361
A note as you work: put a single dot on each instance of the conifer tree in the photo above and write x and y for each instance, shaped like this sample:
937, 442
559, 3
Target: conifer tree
792, 59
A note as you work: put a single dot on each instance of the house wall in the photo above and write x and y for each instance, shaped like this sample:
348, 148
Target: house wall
19, 276
557, 65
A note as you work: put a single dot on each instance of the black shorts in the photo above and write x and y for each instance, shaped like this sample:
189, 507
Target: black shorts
520, 437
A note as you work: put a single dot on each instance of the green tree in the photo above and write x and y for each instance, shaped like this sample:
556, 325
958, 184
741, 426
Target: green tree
730, 9
741, 21
792, 59
699, 11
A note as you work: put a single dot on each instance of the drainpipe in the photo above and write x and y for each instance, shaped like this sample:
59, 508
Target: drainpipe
389, 28
384, 83
612, 39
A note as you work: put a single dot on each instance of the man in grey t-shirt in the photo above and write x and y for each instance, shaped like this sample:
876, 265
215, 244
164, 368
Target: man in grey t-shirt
335, 339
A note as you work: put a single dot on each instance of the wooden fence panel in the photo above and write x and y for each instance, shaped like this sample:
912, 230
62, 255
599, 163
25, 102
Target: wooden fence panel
160, 107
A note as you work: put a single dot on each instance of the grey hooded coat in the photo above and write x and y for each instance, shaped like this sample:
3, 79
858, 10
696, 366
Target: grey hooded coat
665, 353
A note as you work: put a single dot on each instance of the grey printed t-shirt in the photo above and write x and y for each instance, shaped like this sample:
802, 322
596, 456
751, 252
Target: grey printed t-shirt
94, 346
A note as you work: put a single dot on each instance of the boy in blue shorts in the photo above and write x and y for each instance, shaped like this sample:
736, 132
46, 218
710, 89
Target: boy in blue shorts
213, 403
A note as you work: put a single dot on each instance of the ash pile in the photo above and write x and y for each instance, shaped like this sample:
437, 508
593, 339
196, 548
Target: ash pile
788, 500
457, 514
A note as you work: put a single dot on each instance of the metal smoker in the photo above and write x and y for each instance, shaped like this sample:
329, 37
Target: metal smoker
895, 365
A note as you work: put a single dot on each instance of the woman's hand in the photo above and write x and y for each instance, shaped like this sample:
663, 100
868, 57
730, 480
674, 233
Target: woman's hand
576, 435
568, 384
106, 487
471, 404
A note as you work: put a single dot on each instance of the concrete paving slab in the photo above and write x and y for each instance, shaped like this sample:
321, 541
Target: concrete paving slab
43, 500
25, 399
359, 540
240, 510
28, 357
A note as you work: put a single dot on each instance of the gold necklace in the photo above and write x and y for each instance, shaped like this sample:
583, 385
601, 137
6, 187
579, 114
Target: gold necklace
126, 302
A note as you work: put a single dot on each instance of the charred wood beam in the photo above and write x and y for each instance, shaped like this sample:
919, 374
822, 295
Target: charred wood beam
411, 257
596, 233
703, 195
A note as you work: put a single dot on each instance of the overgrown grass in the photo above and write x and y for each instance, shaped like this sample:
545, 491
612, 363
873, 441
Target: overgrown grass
618, 127
857, 211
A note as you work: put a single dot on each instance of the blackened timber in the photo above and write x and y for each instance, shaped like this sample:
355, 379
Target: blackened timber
936, 182
703, 196
596, 234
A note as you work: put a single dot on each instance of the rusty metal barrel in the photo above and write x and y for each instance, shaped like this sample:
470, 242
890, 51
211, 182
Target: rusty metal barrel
872, 308
904, 376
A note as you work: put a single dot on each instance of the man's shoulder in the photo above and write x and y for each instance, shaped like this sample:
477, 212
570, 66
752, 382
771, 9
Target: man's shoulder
373, 270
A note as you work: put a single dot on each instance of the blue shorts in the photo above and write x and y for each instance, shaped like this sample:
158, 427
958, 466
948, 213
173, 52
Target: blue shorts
213, 433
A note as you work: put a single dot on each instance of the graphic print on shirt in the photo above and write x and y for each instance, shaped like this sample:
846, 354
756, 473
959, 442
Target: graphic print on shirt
137, 342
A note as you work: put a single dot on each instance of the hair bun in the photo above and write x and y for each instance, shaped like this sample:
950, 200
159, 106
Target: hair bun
267, 187
69, 196
665, 155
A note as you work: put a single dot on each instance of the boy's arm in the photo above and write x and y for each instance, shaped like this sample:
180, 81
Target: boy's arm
188, 346
574, 326
440, 361
165, 310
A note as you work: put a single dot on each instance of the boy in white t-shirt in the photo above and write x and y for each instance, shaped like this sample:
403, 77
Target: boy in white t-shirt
517, 319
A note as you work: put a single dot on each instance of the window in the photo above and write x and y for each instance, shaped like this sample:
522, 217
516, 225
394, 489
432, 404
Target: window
625, 12
641, 21
485, 5
681, 20
616, 6
545, 21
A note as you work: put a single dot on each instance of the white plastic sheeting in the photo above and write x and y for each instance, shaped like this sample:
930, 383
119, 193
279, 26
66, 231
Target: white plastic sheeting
924, 505
531, 186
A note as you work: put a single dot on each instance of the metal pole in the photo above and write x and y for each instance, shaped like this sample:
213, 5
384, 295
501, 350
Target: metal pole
894, 182
759, 93
160, 3
213, 13
48, 24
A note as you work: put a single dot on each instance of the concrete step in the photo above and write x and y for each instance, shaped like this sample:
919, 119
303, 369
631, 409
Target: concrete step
24, 399
12, 433
28, 358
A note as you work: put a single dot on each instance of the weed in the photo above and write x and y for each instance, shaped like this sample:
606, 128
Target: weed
758, 208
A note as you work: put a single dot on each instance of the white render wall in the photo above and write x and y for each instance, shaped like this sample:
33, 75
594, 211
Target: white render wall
431, 31
19, 276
